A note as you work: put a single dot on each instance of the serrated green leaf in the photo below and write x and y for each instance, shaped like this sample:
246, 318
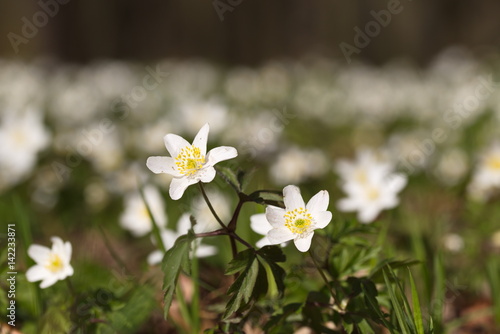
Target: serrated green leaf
244, 178
241, 261
175, 260
272, 253
242, 288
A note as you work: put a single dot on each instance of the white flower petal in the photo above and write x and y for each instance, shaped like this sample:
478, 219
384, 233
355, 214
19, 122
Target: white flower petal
183, 224
174, 144
38, 253
179, 185
201, 138
303, 244
162, 165
155, 257
368, 214
319, 202
292, 198
221, 153
205, 251
347, 204
206, 174
275, 216
396, 182
263, 242
259, 224
279, 235
48, 281
36, 273
321, 219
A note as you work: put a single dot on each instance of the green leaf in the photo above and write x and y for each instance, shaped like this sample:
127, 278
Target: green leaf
279, 318
417, 312
269, 197
230, 177
271, 255
400, 315
242, 289
244, 178
175, 260
240, 261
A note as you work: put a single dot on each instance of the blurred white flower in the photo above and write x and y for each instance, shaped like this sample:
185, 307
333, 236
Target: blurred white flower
298, 221
296, 165
189, 163
453, 242
451, 167
22, 135
370, 185
205, 221
194, 114
135, 218
486, 177
169, 237
51, 265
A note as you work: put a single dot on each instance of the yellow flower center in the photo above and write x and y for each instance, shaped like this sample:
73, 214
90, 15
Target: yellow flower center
372, 193
55, 263
298, 220
189, 160
494, 162
361, 176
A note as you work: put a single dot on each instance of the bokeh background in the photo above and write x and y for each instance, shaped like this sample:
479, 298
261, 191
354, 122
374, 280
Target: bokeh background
252, 32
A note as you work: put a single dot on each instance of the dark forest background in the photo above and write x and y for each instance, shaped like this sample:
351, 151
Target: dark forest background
253, 32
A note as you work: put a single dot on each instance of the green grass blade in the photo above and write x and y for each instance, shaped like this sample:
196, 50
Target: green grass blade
417, 312
396, 305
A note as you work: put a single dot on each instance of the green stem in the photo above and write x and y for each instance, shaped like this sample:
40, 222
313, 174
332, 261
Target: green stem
210, 206
322, 274
182, 305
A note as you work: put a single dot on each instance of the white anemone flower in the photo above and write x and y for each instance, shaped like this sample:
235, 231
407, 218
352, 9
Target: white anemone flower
168, 237
368, 198
51, 265
135, 217
189, 163
298, 221
486, 177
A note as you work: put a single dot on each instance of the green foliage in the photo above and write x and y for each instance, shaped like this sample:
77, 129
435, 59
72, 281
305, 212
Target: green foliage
175, 260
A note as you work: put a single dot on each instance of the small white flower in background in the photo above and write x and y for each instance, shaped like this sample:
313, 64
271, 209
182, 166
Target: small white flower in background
486, 177
371, 186
453, 242
296, 165
205, 220
22, 135
368, 162
51, 265
194, 114
189, 163
451, 167
168, 237
298, 221
135, 217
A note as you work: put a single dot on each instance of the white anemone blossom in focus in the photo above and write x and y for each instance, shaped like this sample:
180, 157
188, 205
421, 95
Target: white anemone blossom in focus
189, 163
135, 217
22, 136
52, 264
370, 184
168, 237
298, 220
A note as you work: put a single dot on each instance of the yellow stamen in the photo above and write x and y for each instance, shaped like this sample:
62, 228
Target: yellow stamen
298, 220
189, 160
494, 162
372, 193
55, 263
